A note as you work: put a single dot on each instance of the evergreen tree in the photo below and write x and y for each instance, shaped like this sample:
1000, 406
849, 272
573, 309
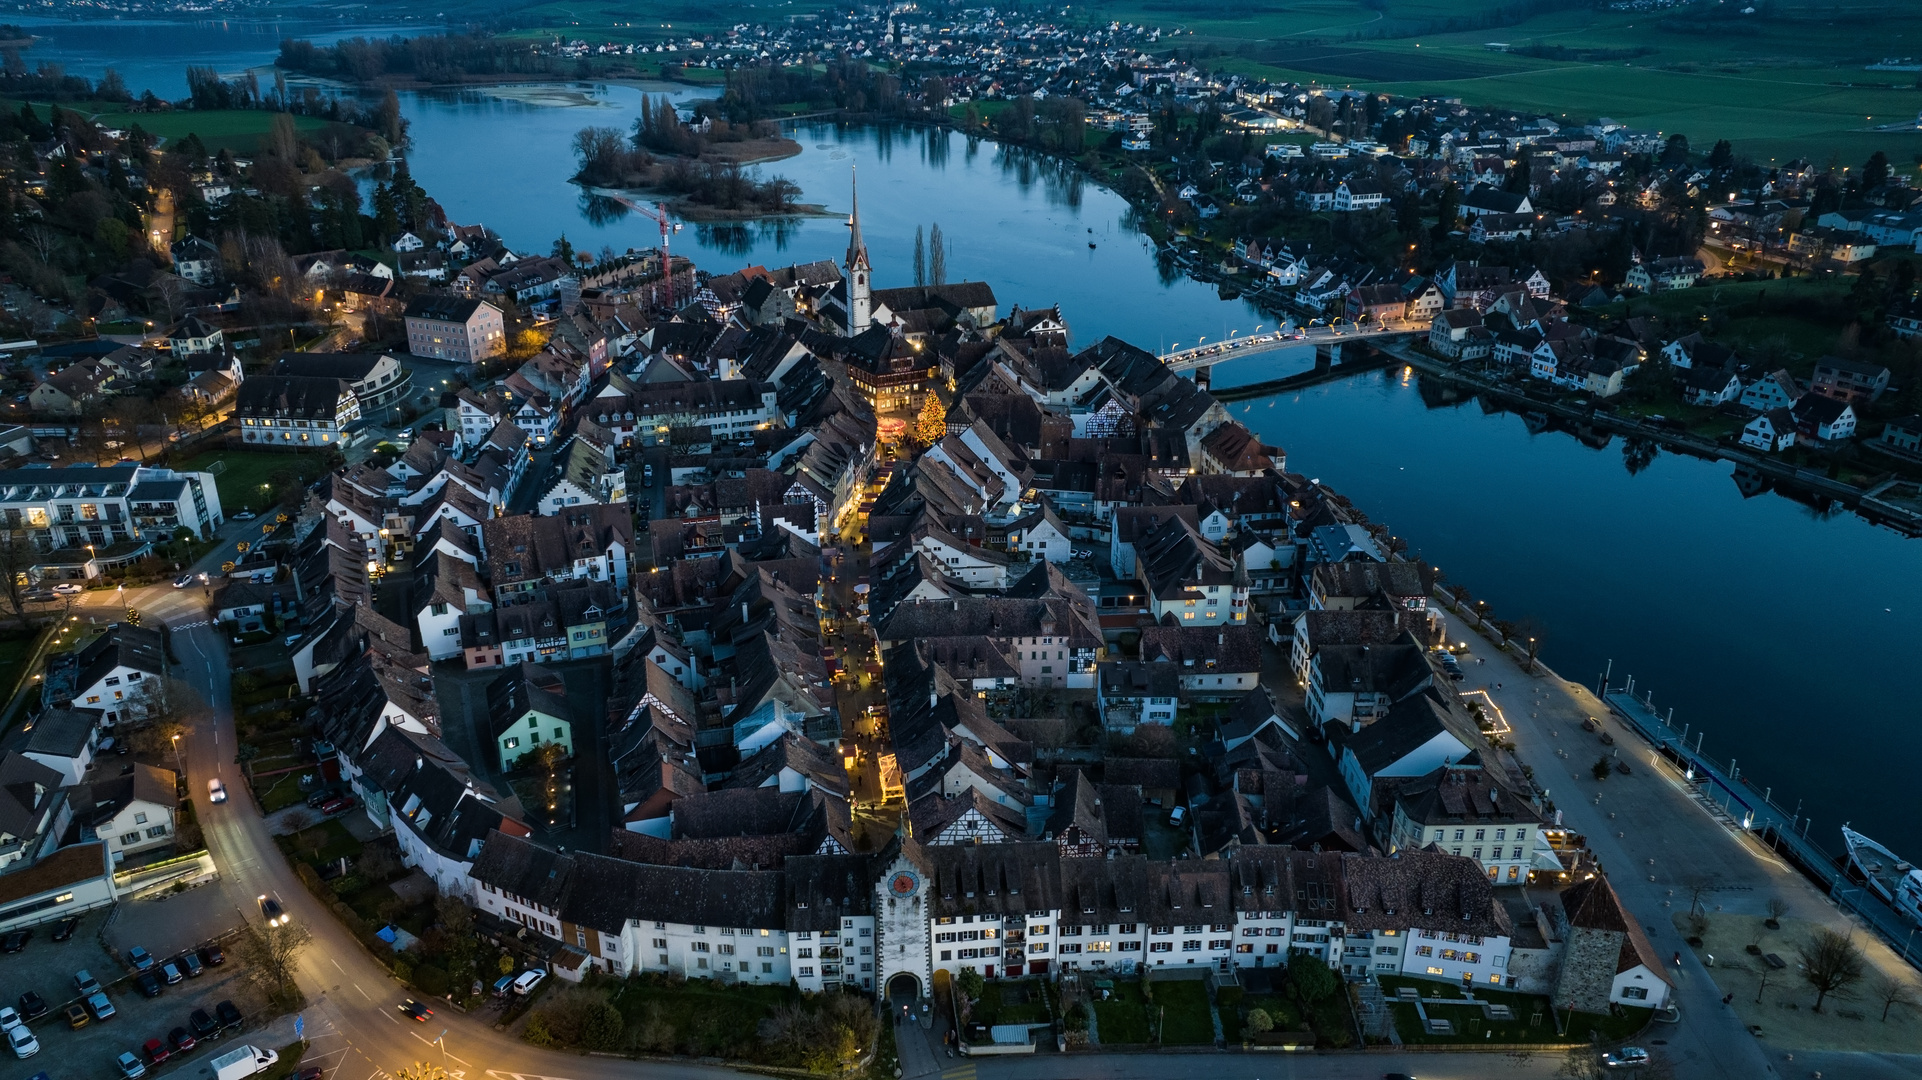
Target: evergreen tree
1876, 172
937, 256
920, 259
386, 213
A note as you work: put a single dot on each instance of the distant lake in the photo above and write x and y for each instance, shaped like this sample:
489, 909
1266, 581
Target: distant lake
1780, 631
154, 54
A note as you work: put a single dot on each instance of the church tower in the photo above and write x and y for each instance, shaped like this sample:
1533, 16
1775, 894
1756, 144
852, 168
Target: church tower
860, 289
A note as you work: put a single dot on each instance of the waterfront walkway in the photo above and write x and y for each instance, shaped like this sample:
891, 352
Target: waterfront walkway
1722, 791
1652, 836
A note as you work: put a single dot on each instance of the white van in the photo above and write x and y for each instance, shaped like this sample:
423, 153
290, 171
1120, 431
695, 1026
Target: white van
528, 980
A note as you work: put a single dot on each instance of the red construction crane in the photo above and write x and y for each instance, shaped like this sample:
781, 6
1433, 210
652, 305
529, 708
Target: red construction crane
668, 228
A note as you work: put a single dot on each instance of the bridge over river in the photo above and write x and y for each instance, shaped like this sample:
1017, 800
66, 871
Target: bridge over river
1210, 354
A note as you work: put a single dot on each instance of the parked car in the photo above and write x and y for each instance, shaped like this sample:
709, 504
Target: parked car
15, 941
311, 1072
170, 972
32, 1006
99, 1005
245, 515
528, 980
9, 1018
84, 982
140, 958
68, 588
212, 956
156, 1051
502, 984
216, 791
66, 928
182, 1040
190, 964
130, 1066
228, 1016
20, 1040
339, 804
148, 984
1628, 1057
203, 1025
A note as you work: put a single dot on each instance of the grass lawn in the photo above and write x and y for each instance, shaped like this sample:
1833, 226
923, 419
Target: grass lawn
15, 648
239, 130
708, 1020
243, 472
1019, 1002
282, 793
1123, 1018
1183, 1008
1472, 1026
1285, 1013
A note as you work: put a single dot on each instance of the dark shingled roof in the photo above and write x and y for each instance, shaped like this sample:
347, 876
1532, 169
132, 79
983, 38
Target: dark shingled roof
1421, 890
1593, 905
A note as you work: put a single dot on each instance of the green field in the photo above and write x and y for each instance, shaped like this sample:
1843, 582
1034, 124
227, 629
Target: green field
246, 481
1787, 81
239, 130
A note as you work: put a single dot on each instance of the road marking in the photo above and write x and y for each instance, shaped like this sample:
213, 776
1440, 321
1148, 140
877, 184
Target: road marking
389, 1018
498, 1075
337, 966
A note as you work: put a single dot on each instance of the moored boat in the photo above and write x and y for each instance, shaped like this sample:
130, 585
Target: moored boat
1895, 880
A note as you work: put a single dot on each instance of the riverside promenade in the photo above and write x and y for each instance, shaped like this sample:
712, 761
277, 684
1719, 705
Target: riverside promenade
1653, 834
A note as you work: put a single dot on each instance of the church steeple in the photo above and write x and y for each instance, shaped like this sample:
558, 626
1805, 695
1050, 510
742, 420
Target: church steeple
860, 295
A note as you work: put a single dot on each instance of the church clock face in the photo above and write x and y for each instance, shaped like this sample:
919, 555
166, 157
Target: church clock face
904, 883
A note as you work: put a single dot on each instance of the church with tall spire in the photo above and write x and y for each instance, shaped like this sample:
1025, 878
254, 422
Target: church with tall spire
860, 289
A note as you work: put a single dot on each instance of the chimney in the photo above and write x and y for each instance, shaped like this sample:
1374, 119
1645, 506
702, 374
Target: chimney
744, 611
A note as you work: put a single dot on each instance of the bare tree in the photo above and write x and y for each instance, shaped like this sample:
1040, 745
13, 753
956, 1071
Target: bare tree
1889, 992
44, 240
1831, 963
173, 707
298, 820
1699, 886
17, 557
272, 954
1777, 907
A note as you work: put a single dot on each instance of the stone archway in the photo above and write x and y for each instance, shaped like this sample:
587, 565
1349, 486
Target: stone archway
903, 989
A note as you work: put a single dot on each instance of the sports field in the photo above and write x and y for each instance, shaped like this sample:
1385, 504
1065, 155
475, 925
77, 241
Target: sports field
1787, 80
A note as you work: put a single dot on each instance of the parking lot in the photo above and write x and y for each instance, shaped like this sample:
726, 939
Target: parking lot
47, 968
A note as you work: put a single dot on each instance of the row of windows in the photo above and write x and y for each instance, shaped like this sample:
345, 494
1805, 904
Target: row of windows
1482, 834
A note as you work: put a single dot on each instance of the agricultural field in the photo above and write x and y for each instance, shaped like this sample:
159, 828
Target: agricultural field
1787, 80
239, 130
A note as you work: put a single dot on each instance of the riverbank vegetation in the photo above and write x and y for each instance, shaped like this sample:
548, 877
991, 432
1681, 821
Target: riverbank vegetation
428, 58
693, 165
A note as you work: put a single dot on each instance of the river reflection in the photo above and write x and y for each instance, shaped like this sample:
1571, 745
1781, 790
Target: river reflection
1779, 627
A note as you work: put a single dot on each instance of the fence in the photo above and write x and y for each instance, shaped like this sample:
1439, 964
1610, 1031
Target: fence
1786, 832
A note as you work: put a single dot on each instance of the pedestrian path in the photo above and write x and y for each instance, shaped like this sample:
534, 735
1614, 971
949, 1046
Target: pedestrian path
918, 1057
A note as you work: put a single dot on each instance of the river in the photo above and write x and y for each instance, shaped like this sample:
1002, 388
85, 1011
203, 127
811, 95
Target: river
1774, 629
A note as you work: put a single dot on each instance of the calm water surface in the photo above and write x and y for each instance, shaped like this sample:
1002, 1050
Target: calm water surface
1781, 633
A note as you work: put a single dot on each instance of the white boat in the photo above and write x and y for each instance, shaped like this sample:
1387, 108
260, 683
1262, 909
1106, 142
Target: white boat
1894, 880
